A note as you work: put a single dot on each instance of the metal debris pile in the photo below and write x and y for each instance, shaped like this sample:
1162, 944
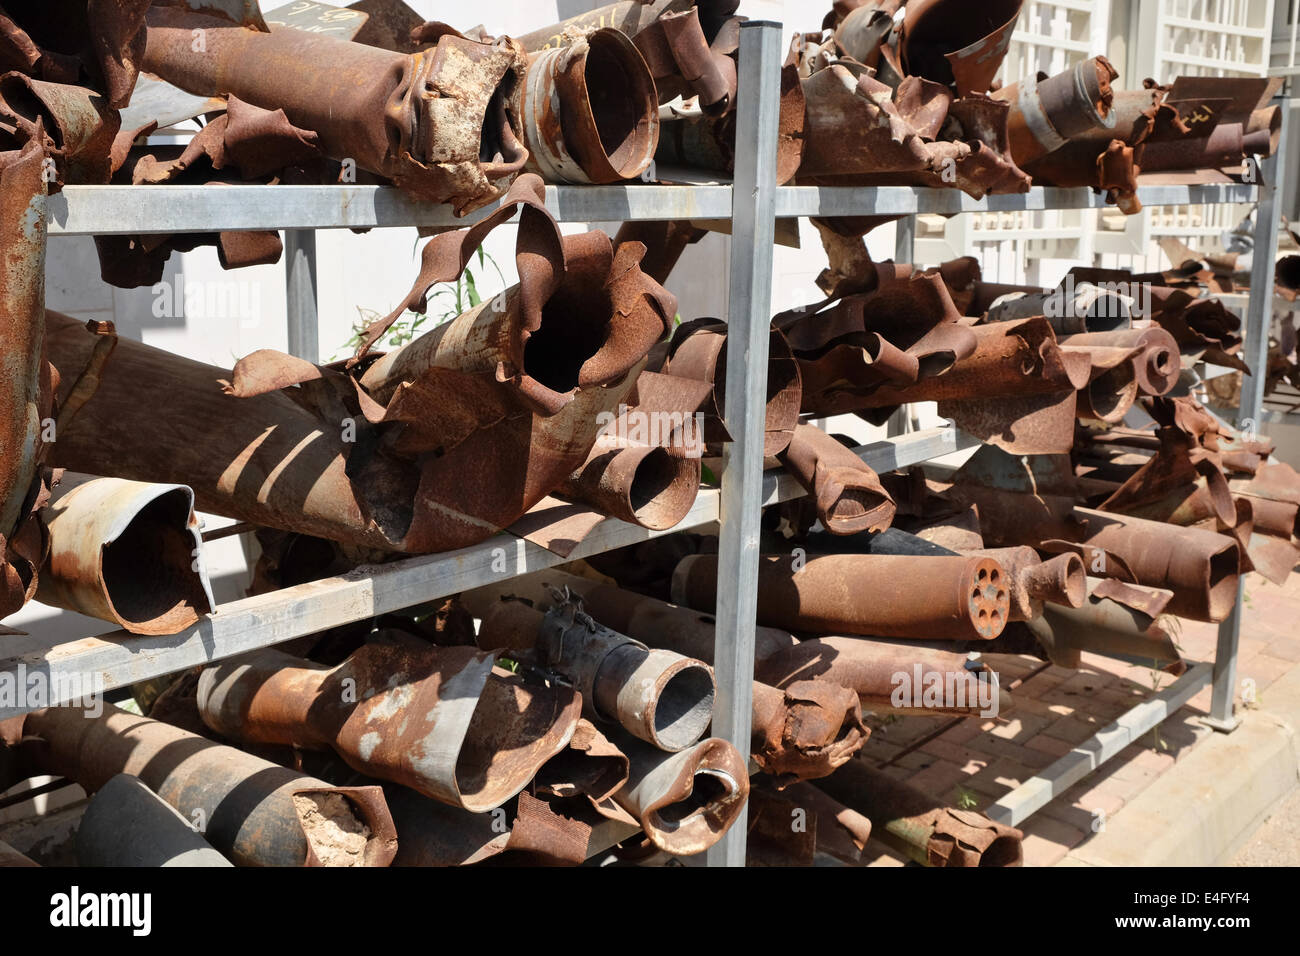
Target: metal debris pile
549, 717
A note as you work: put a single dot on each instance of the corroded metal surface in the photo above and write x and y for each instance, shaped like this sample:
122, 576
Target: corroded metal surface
1047, 113
684, 801
645, 618
848, 494
127, 552
918, 825
1118, 620
803, 730
948, 41
434, 834
420, 450
878, 670
443, 721
434, 122
656, 695
252, 811
1017, 391
1155, 367
699, 351
903, 332
27, 382
837, 831
588, 111
1031, 580
641, 484
74, 125
938, 598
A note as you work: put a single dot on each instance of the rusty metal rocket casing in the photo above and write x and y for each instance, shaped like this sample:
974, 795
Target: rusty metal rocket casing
936, 598
127, 552
252, 811
445, 722
436, 122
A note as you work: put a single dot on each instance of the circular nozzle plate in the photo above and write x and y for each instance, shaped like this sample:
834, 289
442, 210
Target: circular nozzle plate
990, 598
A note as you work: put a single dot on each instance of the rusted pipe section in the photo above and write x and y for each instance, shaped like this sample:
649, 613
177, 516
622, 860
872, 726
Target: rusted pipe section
1156, 367
848, 494
127, 552
699, 351
589, 111
684, 801
1225, 146
444, 721
127, 824
841, 833
657, 696
644, 618
26, 383
804, 730
860, 32
1118, 620
906, 329
435, 445
1090, 309
1047, 113
665, 242
644, 485
438, 123
1035, 582
916, 825
253, 812
892, 677
954, 42
433, 834
855, 133
74, 125
955, 598
591, 766
684, 43
1199, 566
1112, 384
1031, 581
1016, 392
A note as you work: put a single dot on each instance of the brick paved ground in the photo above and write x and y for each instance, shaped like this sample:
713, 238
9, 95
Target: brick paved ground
975, 762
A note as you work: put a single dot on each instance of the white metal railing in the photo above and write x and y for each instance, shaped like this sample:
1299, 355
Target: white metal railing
1284, 53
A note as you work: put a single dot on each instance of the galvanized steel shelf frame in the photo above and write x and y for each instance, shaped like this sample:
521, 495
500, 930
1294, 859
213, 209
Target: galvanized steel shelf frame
753, 202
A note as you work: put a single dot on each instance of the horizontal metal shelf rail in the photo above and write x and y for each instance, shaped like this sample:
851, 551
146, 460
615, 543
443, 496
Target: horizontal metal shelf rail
128, 210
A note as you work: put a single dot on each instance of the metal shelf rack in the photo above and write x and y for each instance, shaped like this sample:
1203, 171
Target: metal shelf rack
753, 202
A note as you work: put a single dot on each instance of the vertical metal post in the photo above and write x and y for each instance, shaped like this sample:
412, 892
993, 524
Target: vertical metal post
753, 234
905, 240
900, 422
1259, 319
300, 293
